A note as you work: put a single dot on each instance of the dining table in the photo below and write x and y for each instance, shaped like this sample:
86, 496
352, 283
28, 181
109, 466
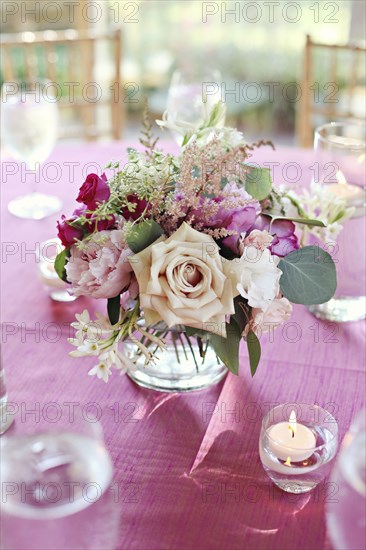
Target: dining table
187, 465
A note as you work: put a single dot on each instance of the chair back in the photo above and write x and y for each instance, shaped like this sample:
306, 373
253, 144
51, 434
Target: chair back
68, 59
333, 87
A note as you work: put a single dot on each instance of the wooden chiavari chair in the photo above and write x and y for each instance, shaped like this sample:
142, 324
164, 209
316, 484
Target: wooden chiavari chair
67, 58
334, 90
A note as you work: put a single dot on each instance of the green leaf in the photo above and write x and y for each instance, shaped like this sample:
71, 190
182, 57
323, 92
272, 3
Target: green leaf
254, 350
114, 308
143, 234
242, 312
308, 276
60, 262
258, 182
304, 221
227, 349
191, 332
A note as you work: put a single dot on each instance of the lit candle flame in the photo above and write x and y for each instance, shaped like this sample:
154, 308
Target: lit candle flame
288, 461
292, 424
340, 178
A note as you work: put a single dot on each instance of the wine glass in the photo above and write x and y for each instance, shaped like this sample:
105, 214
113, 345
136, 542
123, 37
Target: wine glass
191, 95
6, 419
54, 286
56, 476
29, 132
347, 506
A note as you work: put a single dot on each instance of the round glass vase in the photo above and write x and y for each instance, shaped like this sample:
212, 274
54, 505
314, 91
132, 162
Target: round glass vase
186, 364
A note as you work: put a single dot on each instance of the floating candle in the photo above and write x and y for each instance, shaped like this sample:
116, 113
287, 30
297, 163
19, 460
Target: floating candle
348, 142
291, 441
353, 195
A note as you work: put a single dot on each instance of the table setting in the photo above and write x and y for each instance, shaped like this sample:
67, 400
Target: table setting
183, 341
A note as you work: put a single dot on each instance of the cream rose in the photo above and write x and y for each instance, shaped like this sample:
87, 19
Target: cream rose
183, 280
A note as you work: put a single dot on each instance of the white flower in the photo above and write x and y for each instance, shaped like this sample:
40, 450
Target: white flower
81, 325
122, 361
87, 348
103, 369
321, 204
211, 117
257, 276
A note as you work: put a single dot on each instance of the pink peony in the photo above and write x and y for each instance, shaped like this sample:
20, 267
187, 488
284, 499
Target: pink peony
100, 268
94, 191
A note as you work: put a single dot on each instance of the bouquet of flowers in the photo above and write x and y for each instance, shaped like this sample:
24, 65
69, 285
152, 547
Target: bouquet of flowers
199, 240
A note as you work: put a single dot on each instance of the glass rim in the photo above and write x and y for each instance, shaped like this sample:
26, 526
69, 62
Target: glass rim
313, 449
337, 124
76, 422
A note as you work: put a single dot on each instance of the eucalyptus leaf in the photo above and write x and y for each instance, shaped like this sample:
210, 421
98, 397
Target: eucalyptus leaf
114, 308
308, 276
60, 263
227, 349
254, 350
258, 182
143, 235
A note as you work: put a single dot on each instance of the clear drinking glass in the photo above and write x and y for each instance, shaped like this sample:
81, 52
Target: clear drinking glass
340, 150
54, 286
29, 132
55, 479
346, 511
190, 93
297, 454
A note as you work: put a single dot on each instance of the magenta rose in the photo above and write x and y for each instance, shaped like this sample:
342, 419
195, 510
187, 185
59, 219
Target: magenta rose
102, 225
139, 209
66, 233
94, 191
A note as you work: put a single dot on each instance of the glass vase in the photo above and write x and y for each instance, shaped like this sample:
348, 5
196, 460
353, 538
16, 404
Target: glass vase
186, 364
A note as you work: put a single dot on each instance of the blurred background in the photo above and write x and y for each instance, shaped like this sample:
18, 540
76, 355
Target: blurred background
257, 47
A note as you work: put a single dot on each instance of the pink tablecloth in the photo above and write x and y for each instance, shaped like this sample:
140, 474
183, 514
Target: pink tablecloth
187, 465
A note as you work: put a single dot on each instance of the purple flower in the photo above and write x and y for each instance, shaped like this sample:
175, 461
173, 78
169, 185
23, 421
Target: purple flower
66, 233
283, 232
238, 219
94, 191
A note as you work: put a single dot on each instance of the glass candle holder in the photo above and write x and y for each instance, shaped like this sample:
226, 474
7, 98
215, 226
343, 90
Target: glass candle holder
340, 154
297, 445
54, 286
